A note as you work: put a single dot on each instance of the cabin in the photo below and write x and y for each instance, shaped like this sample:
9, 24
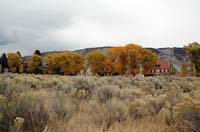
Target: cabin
162, 68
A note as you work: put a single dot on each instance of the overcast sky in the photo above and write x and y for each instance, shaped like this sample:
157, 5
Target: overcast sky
48, 25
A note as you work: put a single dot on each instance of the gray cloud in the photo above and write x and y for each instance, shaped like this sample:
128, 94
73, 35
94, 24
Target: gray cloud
26, 25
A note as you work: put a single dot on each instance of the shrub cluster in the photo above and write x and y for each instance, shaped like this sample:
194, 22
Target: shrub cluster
62, 103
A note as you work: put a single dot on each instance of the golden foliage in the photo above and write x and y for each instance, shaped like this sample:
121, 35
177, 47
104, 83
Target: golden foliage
118, 56
35, 64
129, 58
134, 56
148, 60
15, 63
96, 60
67, 63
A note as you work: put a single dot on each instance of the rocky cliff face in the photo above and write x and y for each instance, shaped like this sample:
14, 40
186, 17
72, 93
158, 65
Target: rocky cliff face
175, 55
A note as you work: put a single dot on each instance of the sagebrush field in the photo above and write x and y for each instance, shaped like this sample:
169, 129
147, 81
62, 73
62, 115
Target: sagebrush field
48, 103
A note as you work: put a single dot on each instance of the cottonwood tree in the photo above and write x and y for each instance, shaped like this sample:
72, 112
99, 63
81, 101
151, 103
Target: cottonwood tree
15, 63
53, 64
118, 57
71, 63
148, 60
35, 64
66, 63
128, 59
134, 57
96, 60
193, 52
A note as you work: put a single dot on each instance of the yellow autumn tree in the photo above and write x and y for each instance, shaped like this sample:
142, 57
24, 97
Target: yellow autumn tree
131, 58
149, 59
15, 63
96, 60
52, 63
109, 67
66, 63
79, 63
134, 57
71, 63
35, 64
118, 57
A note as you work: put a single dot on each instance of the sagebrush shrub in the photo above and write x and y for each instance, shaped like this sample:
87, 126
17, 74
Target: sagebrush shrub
136, 108
154, 104
62, 108
185, 86
34, 112
130, 94
117, 112
8, 104
117, 109
84, 83
106, 93
165, 115
173, 95
77, 103
186, 115
17, 126
3, 86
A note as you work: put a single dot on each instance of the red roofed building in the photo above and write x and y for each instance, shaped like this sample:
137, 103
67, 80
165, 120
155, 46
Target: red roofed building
161, 68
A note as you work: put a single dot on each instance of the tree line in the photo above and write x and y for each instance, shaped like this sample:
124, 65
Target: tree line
130, 59
116, 61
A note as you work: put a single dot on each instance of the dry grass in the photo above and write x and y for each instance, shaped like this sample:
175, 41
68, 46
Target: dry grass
98, 104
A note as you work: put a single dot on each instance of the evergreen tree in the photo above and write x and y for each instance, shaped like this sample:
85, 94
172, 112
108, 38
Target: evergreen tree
37, 52
19, 54
4, 61
172, 70
183, 68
